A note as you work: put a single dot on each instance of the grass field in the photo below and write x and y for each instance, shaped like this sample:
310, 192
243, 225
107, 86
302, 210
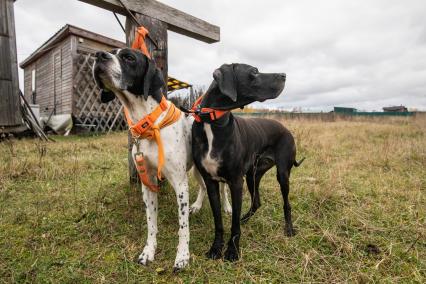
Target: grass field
67, 214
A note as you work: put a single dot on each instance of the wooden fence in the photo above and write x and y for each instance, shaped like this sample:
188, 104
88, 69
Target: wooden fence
88, 110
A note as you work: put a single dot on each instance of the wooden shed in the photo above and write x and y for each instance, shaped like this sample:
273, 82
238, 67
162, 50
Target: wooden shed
58, 78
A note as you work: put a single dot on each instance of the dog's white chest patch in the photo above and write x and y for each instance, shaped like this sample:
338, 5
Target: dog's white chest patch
209, 163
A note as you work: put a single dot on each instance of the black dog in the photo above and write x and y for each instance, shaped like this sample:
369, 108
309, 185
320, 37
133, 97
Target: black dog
227, 148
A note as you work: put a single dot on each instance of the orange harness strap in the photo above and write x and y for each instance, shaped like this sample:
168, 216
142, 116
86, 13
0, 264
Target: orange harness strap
139, 42
143, 173
196, 111
145, 128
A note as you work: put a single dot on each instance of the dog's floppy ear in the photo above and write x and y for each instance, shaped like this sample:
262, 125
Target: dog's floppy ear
153, 80
106, 96
225, 79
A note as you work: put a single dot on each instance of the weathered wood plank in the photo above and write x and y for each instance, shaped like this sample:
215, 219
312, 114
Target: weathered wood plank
67, 69
10, 112
57, 81
74, 61
3, 19
27, 83
5, 114
177, 21
5, 62
14, 58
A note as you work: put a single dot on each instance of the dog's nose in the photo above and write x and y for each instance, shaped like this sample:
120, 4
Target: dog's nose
282, 75
102, 56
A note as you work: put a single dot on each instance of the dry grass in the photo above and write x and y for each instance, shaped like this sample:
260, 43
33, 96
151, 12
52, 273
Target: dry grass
67, 214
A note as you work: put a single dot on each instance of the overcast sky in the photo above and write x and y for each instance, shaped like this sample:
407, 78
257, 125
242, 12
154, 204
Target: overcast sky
360, 53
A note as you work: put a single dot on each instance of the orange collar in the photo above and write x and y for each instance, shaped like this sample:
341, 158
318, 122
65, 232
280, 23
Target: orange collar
146, 129
139, 128
197, 111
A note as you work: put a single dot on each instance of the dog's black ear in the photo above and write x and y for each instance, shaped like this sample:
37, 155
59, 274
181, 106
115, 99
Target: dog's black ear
106, 96
153, 80
225, 78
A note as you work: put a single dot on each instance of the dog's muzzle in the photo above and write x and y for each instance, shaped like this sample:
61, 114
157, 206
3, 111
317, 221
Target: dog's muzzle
104, 70
102, 56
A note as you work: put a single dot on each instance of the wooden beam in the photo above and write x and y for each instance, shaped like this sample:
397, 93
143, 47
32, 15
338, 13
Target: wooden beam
177, 21
10, 102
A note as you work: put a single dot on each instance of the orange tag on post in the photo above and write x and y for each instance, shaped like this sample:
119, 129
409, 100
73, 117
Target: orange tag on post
139, 42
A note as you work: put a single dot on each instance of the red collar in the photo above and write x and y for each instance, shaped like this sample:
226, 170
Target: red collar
197, 111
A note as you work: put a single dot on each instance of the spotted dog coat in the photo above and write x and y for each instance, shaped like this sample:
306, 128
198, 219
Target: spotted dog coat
133, 78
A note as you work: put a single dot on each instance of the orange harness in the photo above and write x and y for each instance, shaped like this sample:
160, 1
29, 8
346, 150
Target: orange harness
197, 111
145, 128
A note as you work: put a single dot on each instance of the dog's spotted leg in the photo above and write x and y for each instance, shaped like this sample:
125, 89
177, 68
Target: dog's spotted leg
181, 188
202, 192
151, 202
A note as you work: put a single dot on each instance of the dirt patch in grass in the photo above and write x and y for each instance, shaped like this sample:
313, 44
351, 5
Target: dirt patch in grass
67, 214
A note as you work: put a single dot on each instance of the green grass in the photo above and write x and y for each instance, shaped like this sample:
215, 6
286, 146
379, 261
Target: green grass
67, 214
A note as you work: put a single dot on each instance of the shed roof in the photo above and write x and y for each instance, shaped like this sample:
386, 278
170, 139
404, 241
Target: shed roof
64, 32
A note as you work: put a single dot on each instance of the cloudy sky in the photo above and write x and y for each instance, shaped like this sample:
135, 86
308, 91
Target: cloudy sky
361, 53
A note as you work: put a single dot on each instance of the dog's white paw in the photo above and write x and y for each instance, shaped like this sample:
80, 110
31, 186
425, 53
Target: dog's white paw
181, 261
147, 255
194, 208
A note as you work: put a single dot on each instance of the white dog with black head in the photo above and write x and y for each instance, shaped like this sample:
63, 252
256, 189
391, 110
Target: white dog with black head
133, 78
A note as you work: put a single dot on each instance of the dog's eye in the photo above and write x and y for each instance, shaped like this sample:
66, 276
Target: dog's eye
128, 57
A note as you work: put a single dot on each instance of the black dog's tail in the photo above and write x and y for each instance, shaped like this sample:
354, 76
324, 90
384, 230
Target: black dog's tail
298, 163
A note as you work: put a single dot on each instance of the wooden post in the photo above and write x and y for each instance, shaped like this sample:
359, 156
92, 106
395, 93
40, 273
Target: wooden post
158, 32
10, 107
